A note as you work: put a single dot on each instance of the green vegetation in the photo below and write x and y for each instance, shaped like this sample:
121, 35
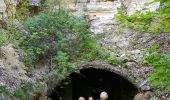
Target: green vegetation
22, 9
23, 93
147, 21
161, 62
29, 91
138, 21
62, 37
4, 90
152, 22
3, 39
54, 37
58, 36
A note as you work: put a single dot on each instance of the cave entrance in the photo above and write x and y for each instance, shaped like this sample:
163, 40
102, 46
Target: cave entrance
91, 82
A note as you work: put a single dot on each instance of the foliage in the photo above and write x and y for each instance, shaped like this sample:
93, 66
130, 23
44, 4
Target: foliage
153, 22
11, 35
58, 36
139, 21
146, 21
17, 10
3, 39
62, 37
29, 90
52, 32
23, 92
22, 10
162, 1
63, 64
161, 62
4, 90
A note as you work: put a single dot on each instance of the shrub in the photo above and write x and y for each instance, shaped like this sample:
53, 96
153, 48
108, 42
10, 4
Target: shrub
60, 36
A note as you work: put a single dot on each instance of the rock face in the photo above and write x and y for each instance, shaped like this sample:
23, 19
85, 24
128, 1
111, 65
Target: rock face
2, 11
134, 5
101, 13
12, 72
2, 6
35, 2
7, 11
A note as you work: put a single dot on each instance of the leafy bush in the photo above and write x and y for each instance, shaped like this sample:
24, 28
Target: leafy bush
63, 64
62, 37
161, 62
52, 32
58, 36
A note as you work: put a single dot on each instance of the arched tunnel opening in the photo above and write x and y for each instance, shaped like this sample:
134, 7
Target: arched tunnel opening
91, 82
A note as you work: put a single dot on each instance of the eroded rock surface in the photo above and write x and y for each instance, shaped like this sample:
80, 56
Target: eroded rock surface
12, 72
101, 13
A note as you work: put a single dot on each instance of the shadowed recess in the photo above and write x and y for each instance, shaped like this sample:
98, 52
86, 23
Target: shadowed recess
91, 82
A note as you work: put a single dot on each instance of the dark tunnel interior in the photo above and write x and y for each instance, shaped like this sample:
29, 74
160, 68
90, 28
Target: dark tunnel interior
91, 82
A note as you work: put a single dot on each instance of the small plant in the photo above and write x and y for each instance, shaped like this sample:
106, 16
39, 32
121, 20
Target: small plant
4, 90
3, 38
23, 92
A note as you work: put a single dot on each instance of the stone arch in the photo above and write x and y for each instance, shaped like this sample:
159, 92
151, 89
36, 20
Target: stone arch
119, 70
69, 88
